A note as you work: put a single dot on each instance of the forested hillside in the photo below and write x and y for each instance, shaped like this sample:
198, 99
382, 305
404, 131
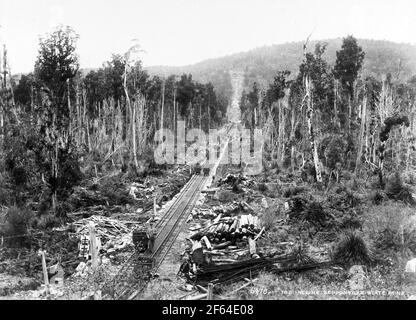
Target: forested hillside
261, 64
343, 117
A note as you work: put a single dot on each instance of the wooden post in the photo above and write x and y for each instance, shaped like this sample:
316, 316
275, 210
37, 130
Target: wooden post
93, 246
45, 270
154, 207
210, 291
252, 246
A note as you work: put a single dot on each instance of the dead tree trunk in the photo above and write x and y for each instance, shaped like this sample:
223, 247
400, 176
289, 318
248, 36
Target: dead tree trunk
336, 117
163, 106
311, 134
132, 117
361, 138
293, 124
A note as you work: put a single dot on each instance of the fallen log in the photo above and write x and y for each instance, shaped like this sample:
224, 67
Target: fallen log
222, 245
201, 288
224, 260
238, 270
260, 233
207, 243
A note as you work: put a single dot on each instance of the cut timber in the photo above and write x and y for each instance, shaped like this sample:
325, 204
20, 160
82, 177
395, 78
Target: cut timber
224, 260
210, 291
233, 226
207, 243
217, 219
201, 288
197, 252
260, 233
247, 205
154, 207
210, 191
196, 245
252, 246
93, 246
222, 245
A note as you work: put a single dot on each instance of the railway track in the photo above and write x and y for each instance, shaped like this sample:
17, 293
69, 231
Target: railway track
132, 277
172, 227
129, 280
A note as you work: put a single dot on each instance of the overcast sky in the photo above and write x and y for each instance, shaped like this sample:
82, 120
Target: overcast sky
180, 32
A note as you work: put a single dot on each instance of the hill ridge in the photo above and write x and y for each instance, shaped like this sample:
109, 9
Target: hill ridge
261, 63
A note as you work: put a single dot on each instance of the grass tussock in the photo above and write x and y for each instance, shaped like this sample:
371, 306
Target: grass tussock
397, 190
352, 249
293, 191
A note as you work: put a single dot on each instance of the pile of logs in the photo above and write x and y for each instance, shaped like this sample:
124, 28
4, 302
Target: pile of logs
106, 228
232, 180
229, 228
229, 209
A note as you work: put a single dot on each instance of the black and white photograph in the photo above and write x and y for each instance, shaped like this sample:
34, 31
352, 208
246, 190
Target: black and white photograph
207, 151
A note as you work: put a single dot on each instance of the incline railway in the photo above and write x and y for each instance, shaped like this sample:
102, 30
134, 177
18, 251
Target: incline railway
135, 273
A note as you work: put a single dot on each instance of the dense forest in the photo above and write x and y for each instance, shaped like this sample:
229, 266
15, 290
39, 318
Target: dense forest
59, 126
335, 116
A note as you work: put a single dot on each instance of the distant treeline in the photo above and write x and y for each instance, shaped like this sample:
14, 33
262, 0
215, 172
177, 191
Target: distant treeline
261, 64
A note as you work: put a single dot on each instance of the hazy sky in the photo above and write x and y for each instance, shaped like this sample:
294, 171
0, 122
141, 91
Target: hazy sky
179, 32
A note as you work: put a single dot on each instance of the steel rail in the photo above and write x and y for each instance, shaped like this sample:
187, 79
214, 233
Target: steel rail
173, 232
170, 221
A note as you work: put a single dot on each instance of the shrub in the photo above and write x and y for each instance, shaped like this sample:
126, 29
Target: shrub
395, 189
269, 218
308, 210
262, 187
315, 214
378, 197
356, 184
297, 205
351, 222
344, 198
352, 249
17, 222
391, 225
409, 177
48, 221
5, 192
293, 191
